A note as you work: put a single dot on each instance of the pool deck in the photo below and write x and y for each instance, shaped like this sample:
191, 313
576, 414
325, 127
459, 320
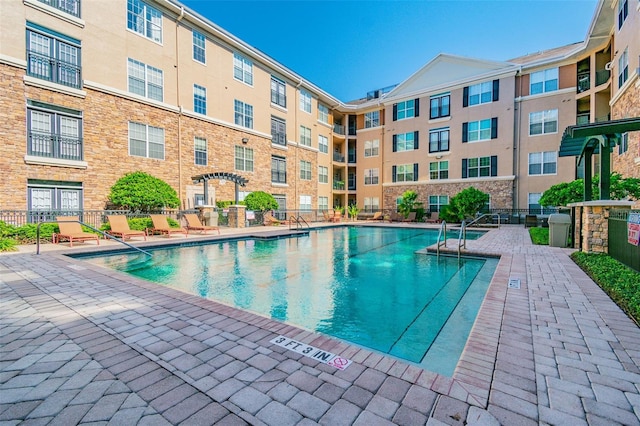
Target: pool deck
80, 344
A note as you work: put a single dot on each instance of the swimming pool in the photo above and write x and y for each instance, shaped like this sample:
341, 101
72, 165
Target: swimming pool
365, 285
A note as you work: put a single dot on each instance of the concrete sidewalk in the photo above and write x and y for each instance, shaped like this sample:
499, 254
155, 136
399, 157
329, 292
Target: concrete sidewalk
80, 344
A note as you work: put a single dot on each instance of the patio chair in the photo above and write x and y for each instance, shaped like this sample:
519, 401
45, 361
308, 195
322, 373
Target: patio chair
411, 217
161, 226
269, 220
71, 229
194, 224
120, 228
376, 216
395, 217
435, 218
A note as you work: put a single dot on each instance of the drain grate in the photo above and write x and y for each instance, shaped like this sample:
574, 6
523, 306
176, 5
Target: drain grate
514, 282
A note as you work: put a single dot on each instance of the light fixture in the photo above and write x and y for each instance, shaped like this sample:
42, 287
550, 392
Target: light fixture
245, 140
438, 156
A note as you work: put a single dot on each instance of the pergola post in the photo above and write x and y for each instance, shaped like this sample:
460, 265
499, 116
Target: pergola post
588, 174
605, 169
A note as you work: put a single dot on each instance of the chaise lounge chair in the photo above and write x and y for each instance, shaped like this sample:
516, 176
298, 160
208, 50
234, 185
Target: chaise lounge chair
161, 226
411, 217
71, 229
194, 224
269, 220
376, 216
120, 228
435, 218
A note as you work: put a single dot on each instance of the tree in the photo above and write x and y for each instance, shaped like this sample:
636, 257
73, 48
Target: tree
260, 201
139, 191
408, 203
573, 192
465, 204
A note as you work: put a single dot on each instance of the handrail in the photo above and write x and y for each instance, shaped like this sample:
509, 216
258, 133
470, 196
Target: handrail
462, 236
473, 222
297, 221
92, 228
443, 227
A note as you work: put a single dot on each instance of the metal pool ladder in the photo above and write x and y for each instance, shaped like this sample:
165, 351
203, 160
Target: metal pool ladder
298, 222
462, 237
442, 232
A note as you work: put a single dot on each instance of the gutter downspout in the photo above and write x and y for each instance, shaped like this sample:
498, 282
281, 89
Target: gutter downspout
182, 194
517, 105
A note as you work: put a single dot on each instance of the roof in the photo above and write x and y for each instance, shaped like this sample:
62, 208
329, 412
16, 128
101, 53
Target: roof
576, 139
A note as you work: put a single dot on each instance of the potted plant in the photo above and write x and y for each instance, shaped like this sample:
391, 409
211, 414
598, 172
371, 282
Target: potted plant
353, 211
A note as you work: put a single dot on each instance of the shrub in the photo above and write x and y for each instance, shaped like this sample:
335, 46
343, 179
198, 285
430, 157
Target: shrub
260, 201
139, 191
465, 204
26, 234
572, 192
621, 283
539, 236
8, 244
409, 203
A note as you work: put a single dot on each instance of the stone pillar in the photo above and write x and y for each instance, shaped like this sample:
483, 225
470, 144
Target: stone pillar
237, 216
592, 224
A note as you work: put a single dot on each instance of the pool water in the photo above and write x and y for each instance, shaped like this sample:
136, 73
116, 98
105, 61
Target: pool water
366, 285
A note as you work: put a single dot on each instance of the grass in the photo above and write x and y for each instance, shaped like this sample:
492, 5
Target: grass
539, 236
621, 283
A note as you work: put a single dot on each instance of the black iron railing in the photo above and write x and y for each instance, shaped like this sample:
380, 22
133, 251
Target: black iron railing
55, 146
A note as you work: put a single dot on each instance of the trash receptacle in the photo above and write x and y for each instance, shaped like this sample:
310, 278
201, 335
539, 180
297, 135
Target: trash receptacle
559, 229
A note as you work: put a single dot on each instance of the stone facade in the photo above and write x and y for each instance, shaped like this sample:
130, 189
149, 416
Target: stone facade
592, 224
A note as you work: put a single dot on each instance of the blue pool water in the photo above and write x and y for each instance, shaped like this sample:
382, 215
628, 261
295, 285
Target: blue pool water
365, 285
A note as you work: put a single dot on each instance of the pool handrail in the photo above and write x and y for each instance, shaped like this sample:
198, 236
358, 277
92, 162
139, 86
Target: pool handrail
297, 220
462, 236
443, 229
93, 229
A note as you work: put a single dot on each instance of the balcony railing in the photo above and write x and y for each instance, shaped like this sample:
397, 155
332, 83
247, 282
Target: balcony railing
584, 81
338, 184
352, 156
338, 129
72, 7
582, 118
55, 146
602, 76
338, 157
53, 69
278, 176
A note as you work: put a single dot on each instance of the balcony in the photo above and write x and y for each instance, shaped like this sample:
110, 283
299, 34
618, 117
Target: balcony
338, 157
55, 146
338, 129
52, 69
602, 76
338, 185
584, 81
72, 7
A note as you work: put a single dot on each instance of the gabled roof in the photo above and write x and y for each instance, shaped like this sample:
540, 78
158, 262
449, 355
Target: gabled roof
446, 71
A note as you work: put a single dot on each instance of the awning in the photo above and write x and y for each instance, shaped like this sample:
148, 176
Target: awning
580, 137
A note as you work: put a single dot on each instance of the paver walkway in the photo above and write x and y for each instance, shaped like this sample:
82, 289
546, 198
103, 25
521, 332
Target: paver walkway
84, 345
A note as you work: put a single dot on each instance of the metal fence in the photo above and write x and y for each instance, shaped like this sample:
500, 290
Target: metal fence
619, 247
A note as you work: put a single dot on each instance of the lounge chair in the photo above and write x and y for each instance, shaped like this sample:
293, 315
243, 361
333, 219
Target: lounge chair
395, 217
194, 224
376, 216
411, 217
71, 229
269, 220
161, 226
435, 218
120, 228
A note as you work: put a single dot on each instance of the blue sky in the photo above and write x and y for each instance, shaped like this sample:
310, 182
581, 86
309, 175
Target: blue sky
348, 48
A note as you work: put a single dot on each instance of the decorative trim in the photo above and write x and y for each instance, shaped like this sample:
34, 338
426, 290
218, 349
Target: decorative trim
44, 84
55, 162
54, 12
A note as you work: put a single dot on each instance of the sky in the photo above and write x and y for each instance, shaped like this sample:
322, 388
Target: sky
348, 48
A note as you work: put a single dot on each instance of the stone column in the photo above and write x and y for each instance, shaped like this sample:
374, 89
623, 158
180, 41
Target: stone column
592, 224
237, 216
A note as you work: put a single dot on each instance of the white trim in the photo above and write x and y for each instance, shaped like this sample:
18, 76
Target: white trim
55, 162
44, 84
14, 62
54, 12
570, 90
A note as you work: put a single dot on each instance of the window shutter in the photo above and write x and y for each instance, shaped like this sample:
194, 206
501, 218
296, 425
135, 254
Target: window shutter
465, 132
496, 90
395, 112
395, 143
464, 168
494, 128
416, 107
465, 97
393, 173
415, 172
415, 140
494, 165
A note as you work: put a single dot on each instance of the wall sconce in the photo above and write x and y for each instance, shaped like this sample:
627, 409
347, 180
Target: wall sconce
438, 156
245, 140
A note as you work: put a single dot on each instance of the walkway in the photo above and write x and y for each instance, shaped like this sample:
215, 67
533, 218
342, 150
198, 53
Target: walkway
80, 344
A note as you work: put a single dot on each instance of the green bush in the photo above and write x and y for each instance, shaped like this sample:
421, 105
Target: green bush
464, 205
408, 203
8, 244
539, 236
26, 234
139, 191
621, 283
260, 201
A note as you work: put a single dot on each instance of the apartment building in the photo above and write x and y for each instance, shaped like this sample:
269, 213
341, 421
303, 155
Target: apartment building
159, 88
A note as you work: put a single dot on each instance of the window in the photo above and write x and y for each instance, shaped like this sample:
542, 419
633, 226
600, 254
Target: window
371, 148
439, 105
439, 140
53, 57
45, 195
242, 69
278, 131
371, 176
543, 122
305, 136
323, 144
305, 170
437, 202
371, 119
439, 170
305, 202
482, 130
624, 143
371, 204
480, 93
543, 81
623, 12
323, 113
278, 92
406, 109
534, 202
199, 47
305, 101
243, 114
405, 142
146, 141
244, 158
404, 173
199, 99
53, 131
200, 151
72, 7
323, 203
145, 80
542, 163
144, 20
278, 169
623, 68
479, 167
323, 174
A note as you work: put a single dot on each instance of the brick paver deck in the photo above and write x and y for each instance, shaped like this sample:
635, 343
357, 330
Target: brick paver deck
80, 344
